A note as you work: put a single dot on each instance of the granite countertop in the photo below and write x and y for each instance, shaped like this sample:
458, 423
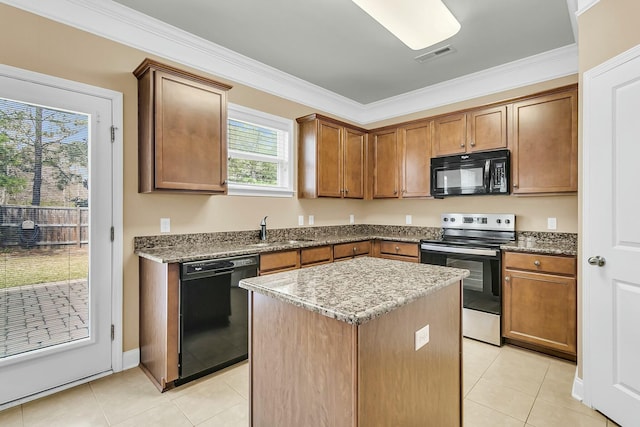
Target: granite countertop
357, 290
544, 243
212, 250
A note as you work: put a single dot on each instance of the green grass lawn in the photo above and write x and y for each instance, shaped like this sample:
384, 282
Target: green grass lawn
28, 267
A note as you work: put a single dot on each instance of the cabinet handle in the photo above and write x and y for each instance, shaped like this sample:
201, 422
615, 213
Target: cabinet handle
473, 144
536, 263
224, 182
354, 249
507, 279
462, 145
346, 190
397, 249
395, 191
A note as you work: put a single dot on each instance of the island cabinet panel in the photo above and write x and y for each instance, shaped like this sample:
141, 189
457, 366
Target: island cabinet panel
307, 369
159, 292
427, 384
351, 250
279, 261
544, 146
401, 251
539, 303
303, 375
316, 255
182, 131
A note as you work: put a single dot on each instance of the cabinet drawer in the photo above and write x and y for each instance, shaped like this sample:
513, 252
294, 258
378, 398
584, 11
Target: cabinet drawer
317, 255
540, 263
279, 261
346, 250
399, 248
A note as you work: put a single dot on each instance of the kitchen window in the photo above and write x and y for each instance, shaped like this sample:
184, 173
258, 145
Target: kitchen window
260, 153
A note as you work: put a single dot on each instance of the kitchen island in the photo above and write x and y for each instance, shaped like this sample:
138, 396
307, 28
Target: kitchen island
364, 342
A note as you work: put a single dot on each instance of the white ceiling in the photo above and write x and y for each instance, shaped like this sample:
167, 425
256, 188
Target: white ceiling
334, 44
331, 56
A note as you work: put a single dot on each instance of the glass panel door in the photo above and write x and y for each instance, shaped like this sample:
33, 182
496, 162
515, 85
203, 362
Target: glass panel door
44, 240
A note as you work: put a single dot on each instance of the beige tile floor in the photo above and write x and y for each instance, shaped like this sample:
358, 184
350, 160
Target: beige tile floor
504, 386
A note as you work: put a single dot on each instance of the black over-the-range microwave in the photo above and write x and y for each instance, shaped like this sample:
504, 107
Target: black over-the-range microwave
468, 174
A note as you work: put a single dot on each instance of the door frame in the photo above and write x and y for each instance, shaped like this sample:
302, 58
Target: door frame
587, 142
117, 191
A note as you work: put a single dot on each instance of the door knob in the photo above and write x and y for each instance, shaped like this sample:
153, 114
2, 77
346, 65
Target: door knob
597, 260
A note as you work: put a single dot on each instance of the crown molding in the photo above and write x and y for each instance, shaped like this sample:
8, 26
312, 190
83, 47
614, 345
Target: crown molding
584, 5
116, 22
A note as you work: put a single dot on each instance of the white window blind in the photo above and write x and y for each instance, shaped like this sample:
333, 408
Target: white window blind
259, 150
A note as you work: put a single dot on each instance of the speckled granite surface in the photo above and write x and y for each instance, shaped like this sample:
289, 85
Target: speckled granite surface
192, 247
357, 290
544, 243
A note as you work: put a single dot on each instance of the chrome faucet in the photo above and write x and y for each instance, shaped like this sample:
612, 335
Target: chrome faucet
263, 229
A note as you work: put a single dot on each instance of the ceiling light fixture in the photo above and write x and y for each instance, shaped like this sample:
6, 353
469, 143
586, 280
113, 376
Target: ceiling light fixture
417, 23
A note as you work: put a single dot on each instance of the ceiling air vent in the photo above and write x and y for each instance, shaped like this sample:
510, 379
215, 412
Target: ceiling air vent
428, 56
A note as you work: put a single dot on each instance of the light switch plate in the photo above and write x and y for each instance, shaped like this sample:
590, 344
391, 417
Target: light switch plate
552, 223
300, 219
311, 220
165, 225
422, 337
352, 219
408, 219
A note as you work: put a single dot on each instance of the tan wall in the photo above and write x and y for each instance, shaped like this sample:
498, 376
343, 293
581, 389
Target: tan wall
51, 48
607, 29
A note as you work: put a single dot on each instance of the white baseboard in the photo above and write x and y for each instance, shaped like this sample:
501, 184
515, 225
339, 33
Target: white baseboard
130, 359
577, 391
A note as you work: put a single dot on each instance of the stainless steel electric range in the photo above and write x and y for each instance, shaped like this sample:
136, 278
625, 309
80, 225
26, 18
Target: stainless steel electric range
472, 242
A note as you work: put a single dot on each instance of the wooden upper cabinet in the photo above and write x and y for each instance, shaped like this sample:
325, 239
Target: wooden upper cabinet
182, 130
477, 130
544, 146
385, 155
331, 161
416, 159
487, 129
449, 135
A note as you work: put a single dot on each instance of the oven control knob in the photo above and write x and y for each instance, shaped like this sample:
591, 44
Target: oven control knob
507, 221
498, 221
453, 220
446, 219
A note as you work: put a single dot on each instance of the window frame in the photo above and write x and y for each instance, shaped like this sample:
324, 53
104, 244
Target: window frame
260, 118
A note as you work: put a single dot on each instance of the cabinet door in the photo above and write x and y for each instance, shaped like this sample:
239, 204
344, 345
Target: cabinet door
385, 164
190, 135
329, 173
353, 151
545, 144
449, 135
416, 159
540, 309
487, 129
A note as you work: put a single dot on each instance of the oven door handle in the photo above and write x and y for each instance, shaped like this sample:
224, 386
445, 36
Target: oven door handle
457, 250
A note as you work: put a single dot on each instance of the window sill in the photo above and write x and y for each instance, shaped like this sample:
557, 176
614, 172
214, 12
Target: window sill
242, 190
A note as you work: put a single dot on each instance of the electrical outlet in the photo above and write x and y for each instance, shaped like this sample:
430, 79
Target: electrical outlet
422, 337
552, 223
408, 219
311, 220
352, 219
165, 225
300, 219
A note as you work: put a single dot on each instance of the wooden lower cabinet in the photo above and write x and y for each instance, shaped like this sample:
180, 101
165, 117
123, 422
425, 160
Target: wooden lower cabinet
400, 251
159, 310
316, 255
350, 250
307, 369
275, 262
539, 303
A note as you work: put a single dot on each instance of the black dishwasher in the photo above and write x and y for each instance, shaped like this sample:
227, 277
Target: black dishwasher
213, 315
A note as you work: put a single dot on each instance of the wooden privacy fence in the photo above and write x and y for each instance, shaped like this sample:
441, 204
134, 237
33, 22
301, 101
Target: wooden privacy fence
52, 226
